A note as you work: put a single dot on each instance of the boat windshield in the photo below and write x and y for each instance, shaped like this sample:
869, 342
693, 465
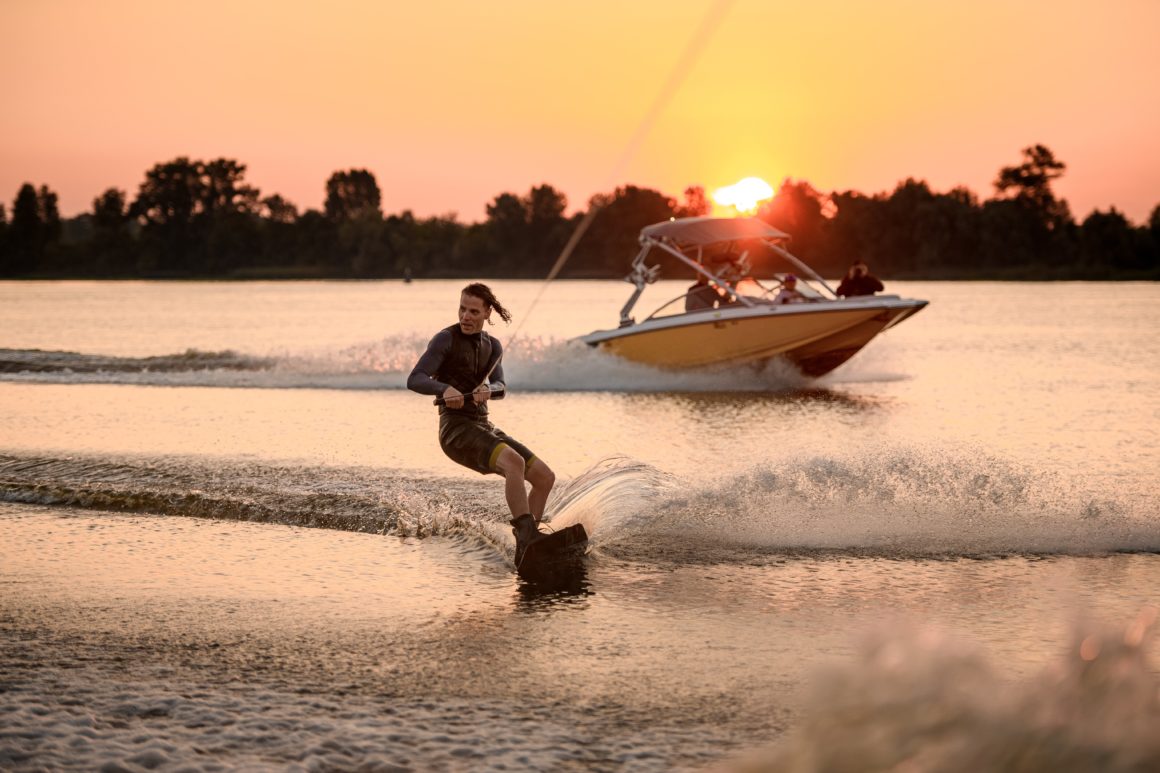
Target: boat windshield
702, 295
767, 289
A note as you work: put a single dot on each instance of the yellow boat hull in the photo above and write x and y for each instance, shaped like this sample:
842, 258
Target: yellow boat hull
817, 340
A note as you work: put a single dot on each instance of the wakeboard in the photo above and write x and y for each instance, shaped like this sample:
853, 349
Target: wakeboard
559, 547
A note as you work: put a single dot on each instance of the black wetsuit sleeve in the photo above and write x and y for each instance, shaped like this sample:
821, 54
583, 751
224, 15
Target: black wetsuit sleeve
495, 381
422, 379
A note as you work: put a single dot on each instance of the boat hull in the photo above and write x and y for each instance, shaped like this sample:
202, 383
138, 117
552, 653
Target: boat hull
817, 339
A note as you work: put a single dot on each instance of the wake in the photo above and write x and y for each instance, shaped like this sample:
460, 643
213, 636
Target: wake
898, 504
531, 365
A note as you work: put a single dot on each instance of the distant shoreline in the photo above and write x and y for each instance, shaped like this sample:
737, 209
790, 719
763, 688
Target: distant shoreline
195, 219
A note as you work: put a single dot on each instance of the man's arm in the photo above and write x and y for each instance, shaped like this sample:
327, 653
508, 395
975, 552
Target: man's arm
421, 379
495, 380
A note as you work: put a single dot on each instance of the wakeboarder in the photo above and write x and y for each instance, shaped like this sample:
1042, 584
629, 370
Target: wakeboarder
462, 366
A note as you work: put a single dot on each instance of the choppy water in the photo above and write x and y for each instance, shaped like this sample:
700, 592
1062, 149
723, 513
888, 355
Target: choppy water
943, 555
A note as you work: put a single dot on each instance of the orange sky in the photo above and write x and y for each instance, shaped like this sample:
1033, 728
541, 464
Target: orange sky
451, 102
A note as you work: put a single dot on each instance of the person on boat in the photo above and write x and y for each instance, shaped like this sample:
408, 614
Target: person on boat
789, 292
859, 281
462, 365
702, 295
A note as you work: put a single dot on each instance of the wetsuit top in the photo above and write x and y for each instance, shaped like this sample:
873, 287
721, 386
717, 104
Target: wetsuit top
462, 361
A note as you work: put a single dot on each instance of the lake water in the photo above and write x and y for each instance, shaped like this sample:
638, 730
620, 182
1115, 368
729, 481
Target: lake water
228, 538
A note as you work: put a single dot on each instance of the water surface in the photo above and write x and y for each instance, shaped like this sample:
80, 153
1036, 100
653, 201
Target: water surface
230, 538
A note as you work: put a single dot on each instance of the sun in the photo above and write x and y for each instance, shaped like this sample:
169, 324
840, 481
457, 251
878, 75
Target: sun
744, 195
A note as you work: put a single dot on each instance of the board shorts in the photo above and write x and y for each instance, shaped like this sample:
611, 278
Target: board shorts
476, 443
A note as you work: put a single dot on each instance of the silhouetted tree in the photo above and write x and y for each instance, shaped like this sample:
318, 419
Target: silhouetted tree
1108, 241
277, 210
24, 234
429, 247
112, 248
946, 233
1026, 225
504, 243
1153, 241
361, 241
1030, 184
109, 210
547, 228
352, 204
904, 211
696, 203
399, 237
352, 195
196, 216
277, 235
522, 235
797, 210
46, 204
856, 230
224, 191
913, 231
611, 241
313, 243
230, 218
165, 206
35, 225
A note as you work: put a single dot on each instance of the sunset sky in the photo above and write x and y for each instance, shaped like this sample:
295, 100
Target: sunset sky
451, 103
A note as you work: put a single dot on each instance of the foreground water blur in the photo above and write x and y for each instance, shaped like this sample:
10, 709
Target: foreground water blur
943, 556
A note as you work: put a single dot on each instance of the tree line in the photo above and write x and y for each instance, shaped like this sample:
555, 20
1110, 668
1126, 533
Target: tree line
201, 219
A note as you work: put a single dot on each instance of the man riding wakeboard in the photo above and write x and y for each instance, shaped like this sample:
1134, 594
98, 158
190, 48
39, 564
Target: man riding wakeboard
462, 365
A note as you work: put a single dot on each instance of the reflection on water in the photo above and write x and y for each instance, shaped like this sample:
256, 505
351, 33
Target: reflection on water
736, 405
554, 584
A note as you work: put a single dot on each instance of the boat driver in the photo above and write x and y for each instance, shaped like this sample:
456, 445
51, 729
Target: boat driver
462, 366
859, 281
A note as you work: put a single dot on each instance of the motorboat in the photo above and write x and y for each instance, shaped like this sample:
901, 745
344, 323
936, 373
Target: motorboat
729, 316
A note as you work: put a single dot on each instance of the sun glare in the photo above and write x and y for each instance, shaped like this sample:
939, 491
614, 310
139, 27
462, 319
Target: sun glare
745, 195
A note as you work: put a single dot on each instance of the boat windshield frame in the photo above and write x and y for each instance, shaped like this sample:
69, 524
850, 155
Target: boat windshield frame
643, 275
